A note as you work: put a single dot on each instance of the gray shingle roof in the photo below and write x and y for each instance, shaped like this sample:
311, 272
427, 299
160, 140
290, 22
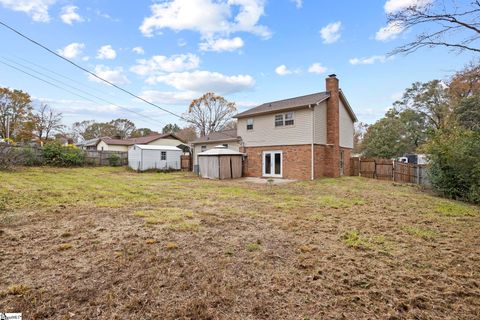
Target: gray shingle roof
285, 104
225, 135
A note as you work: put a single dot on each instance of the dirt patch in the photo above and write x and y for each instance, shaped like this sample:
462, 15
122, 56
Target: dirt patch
330, 249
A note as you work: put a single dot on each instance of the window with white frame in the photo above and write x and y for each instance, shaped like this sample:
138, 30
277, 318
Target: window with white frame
284, 119
250, 124
163, 155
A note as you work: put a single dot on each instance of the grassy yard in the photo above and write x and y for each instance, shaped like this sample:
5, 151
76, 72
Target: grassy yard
106, 243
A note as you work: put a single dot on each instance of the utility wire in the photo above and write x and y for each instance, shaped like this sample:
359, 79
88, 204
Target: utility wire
87, 71
149, 119
67, 90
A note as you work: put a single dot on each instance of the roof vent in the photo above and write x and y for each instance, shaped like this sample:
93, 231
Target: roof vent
333, 75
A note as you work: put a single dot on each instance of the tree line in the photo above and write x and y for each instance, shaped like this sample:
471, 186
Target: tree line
21, 122
440, 118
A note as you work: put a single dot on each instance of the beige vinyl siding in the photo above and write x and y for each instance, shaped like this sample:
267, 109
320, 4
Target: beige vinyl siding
346, 128
197, 148
166, 142
111, 147
265, 133
321, 123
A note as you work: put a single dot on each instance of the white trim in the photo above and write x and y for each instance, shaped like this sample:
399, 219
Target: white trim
272, 166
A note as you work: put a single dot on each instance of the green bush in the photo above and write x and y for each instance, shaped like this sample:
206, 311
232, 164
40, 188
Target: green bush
114, 160
455, 164
63, 156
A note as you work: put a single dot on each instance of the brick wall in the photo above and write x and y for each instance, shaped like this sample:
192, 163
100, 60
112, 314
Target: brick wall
297, 160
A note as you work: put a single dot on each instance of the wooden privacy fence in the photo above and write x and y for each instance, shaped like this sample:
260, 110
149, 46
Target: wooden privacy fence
386, 169
186, 163
102, 158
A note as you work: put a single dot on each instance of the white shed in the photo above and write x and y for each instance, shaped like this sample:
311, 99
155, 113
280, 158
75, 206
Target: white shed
143, 157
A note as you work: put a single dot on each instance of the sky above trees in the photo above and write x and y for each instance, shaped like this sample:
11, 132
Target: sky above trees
250, 51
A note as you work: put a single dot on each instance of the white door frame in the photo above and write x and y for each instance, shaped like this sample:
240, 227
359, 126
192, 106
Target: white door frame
272, 164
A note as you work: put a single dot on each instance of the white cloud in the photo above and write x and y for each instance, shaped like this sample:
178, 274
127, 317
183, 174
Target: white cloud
369, 60
69, 15
298, 3
392, 6
114, 75
138, 50
160, 65
36, 9
317, 68
169, 97
331, 32
390, 31
208, 17
204, 81
73, 107
282, 70
72, 50
106, 52
219, 45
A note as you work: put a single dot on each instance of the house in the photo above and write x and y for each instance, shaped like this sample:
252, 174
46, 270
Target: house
115, 144
228, 138
302, 138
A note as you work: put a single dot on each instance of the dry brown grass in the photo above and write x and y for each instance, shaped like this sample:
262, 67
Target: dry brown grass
172, 246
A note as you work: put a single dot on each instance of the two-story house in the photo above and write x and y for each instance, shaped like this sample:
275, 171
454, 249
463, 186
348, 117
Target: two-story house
303, 138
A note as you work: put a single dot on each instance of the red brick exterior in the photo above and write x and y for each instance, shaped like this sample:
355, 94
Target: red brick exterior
297, 161
332, 152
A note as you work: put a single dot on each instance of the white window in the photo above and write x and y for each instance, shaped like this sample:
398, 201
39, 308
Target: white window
284, 119
278, 120
249, 124
203, 148
163, 155
289, 119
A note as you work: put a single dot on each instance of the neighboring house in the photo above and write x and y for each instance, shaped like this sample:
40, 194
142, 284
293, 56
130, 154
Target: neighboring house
109, 144
304, 137
90, 144
227, 138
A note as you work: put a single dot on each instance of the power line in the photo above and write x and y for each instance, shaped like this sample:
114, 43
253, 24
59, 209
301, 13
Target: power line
69, 91
88, 71
83, 91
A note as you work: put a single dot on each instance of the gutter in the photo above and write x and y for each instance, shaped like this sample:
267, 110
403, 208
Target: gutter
312, 155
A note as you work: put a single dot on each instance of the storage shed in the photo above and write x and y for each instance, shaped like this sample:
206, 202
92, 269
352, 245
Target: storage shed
220, 163
143, 157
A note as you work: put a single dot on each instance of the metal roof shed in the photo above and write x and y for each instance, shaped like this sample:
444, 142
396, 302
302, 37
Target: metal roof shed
220, 163
143, 157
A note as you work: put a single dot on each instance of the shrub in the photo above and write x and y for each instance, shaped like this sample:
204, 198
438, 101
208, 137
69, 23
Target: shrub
63, 156
455, 164
114, 160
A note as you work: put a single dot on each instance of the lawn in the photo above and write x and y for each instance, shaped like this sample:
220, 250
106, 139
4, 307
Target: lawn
107, 243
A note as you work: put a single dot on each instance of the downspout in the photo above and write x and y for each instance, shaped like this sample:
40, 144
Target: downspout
312, 156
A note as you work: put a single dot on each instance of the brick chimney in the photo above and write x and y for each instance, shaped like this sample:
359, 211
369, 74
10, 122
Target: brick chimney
333, 127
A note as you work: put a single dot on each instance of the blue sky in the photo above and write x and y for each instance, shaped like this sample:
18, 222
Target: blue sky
250, 51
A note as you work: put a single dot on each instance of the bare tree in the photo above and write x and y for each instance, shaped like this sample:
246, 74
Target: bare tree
46, 122
445, 24
210, 113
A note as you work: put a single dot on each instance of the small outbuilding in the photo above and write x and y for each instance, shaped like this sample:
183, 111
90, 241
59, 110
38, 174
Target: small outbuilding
143, 157
220, 163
